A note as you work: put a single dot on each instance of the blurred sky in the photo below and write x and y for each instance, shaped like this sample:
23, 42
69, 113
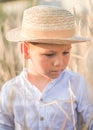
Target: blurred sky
79, 5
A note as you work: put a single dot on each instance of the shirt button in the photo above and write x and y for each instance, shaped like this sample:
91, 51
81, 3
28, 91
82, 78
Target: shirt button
41, 118
41, 99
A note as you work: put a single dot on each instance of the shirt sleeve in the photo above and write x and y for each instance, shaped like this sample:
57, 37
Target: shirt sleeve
6, 116
85, 106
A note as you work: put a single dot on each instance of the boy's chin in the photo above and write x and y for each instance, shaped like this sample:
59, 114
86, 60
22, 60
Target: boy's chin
54, 75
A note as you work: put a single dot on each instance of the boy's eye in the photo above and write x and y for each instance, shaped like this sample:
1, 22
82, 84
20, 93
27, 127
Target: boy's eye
49, 55
65, 53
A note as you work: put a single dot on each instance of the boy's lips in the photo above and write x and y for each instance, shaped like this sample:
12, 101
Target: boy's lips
56, 72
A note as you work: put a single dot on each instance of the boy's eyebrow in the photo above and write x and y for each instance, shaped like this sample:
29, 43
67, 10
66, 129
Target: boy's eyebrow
63, 50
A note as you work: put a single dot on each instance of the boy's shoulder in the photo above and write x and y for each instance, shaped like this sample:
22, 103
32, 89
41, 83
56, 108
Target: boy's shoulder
74, 77
73, 74
77, 81
11, 84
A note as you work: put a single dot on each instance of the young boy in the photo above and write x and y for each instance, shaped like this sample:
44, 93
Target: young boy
45, 96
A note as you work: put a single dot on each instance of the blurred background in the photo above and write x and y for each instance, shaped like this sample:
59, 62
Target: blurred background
11, 16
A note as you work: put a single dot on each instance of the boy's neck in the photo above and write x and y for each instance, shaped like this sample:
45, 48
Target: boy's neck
38, 80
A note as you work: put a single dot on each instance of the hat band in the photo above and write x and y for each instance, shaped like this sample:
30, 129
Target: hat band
28, 33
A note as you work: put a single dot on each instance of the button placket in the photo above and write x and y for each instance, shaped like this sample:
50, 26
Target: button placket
41, 114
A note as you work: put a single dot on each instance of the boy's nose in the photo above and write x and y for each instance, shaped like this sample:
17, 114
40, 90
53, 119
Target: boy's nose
58, 61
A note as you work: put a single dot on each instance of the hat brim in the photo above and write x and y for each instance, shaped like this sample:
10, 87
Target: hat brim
15, 36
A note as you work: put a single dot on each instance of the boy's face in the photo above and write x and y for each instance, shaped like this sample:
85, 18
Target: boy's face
49, 60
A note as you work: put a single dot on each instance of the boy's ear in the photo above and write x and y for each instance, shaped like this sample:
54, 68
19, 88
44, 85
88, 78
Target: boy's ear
24, 48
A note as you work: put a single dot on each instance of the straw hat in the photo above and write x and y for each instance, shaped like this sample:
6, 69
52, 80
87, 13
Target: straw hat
46, 24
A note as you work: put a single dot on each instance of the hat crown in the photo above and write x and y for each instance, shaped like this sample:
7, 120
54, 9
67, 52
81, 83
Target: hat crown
48, 18
46, 24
